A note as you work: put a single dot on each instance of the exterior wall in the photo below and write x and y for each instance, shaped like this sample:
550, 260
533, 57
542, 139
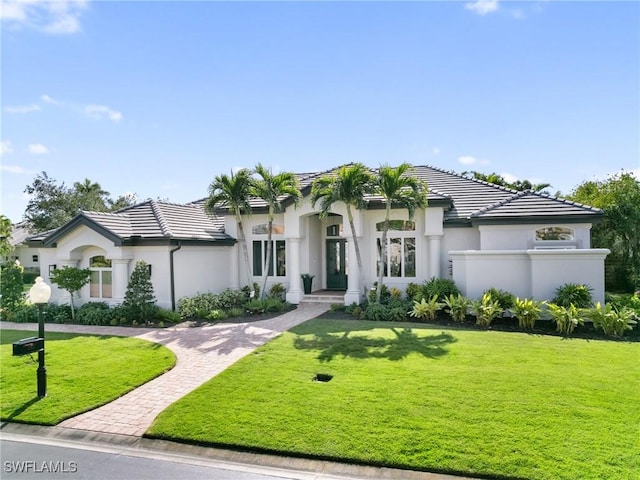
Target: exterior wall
528, 273
24, 255
519, 237
457, 238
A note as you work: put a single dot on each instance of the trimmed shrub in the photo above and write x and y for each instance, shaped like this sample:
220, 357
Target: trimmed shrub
413, 289
139, 299
440, 287
385, 294
277, 291
505, 299
573, 294
11, 285
198, 306
94, 313
217, 315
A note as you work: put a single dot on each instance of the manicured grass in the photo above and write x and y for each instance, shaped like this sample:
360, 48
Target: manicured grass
481, 403
83, 372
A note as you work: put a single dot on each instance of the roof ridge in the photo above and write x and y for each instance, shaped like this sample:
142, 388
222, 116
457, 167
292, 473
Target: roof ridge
565, 201
162, 221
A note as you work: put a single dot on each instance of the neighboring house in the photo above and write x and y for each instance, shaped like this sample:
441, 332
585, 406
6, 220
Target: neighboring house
27, 257
479, 234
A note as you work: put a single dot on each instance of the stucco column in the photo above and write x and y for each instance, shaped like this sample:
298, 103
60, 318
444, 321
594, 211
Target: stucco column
435, 251
294, 294
353, 293
120, 279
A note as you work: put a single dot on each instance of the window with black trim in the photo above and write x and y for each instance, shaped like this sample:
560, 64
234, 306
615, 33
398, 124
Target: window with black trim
278, 262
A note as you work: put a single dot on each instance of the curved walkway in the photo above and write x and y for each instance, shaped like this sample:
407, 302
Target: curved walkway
201, 352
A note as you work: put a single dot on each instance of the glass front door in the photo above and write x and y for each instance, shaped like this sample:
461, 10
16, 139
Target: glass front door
336, 265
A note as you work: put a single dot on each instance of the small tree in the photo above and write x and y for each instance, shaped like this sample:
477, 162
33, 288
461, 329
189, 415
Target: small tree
140, 300
10, 289
71, 279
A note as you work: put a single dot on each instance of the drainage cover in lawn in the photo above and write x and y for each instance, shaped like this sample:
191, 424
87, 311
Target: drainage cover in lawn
322, 377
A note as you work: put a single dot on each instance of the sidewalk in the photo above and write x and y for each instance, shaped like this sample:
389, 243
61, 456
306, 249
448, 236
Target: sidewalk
202, 353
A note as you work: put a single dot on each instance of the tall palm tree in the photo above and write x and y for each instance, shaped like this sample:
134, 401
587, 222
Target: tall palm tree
90, 196
233, 192
273, 188
348, 184
397, 189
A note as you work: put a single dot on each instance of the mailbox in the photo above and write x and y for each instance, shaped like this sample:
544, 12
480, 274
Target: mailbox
27, 346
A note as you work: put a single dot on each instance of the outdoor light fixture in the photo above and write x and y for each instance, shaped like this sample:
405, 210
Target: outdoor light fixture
39, 294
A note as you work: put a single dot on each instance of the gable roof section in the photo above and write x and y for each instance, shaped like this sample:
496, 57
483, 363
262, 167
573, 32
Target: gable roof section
149, 222
536, 206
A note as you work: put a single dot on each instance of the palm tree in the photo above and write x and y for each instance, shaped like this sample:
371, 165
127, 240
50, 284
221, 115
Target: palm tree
401, 190
273, 189
91, 196
233, 192
348, 184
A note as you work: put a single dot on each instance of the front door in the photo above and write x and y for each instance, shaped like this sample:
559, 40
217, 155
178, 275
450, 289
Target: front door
336, 265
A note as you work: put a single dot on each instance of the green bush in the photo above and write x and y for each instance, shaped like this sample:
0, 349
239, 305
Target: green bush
385, 313
166, 315
94, 313
246, 290
426, 310
413, 289
139, 298
202, 303
26, 313
486, 310
337, 307
505, 299
229, 299
278, 291
11, 287
235, 312
624, 300
573, 294
613, 323
217, 315
457, 306
440, 287
385, 294
265, 305
566, 318
527, 311
29, 278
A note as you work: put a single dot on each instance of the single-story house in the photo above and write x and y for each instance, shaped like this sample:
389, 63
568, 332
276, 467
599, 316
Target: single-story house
28, 258
479, 234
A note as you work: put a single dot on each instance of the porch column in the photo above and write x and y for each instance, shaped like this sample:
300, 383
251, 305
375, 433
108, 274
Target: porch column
435, 247
120, 279
353, 293
294, 294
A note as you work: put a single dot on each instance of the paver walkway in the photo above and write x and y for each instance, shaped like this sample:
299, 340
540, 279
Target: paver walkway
201, 352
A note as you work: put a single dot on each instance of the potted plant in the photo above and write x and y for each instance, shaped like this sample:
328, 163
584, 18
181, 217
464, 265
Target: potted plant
307, 280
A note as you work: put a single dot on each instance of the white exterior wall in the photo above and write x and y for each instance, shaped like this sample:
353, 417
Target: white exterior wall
457, 238
520, 237
528, 273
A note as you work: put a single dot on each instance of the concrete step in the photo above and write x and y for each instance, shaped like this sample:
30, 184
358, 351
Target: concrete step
323, 298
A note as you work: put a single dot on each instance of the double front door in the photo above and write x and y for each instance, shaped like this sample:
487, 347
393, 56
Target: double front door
336, 264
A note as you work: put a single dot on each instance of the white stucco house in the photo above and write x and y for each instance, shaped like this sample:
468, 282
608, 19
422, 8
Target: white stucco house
480, 235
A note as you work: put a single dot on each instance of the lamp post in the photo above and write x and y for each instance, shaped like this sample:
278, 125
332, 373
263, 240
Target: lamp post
39, 294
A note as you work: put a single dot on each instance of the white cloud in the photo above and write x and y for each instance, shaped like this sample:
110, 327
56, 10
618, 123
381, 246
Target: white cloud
509, 178
482, 7
469, 160
48, 16
99, 112
6, 147
37, 149
34, 107
16, 169
47, 99
435, 151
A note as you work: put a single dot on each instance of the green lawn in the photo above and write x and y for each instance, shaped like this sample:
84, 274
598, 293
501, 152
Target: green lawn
484, 403
83, 372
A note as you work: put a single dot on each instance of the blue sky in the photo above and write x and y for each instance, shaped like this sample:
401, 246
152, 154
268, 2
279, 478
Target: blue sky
157, 98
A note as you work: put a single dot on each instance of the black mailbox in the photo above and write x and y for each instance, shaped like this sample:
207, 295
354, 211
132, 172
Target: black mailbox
28, 345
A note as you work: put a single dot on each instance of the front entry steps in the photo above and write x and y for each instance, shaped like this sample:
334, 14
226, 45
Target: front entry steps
324, 296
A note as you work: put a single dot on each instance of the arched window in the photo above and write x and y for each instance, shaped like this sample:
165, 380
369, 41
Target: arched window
554, 233
100, 285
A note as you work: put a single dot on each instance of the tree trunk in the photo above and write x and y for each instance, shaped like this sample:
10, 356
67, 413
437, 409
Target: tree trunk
356, 246
245, 251
383, 251
267, 260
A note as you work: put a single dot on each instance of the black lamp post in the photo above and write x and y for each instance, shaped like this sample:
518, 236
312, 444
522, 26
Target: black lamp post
39, 294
